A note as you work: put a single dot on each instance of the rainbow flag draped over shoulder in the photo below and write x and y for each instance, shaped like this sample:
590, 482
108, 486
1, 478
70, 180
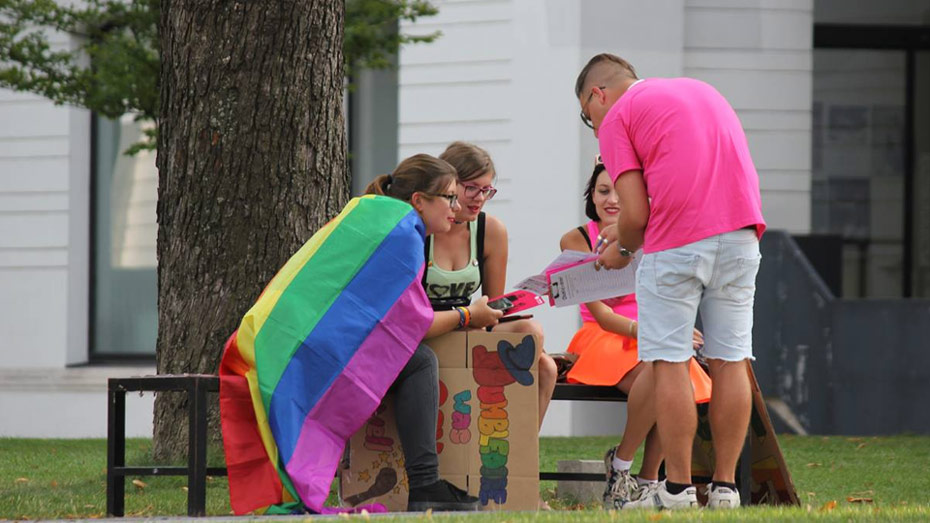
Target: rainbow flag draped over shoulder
313, 357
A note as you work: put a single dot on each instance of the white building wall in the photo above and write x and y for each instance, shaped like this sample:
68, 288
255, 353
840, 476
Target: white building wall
35, 213
44, 275
759, 55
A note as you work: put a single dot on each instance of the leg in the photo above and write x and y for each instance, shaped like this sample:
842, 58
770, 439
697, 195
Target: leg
669, 287
652, 456
727, 313
547, 371
730, 408
677, 419
640, 409
726, 309
621, 486
416, 405
547, 376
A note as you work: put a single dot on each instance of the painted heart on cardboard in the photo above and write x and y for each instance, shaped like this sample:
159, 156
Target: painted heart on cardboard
518, 359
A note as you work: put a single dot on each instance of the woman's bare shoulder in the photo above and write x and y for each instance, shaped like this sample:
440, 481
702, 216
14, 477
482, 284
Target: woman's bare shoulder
573, 240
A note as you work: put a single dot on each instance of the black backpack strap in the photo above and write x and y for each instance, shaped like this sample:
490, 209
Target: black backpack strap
425, 257
586, 237
479, 241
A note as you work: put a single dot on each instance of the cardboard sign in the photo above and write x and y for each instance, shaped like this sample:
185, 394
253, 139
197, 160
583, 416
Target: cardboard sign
486, 432
771, 482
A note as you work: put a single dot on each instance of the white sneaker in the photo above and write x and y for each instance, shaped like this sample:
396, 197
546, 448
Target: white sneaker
621, 487
722, 497
657, 497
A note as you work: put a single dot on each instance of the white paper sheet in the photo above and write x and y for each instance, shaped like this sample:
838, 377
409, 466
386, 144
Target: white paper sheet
583, 283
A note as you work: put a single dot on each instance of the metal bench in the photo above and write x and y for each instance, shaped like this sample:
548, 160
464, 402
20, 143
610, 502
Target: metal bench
197, 386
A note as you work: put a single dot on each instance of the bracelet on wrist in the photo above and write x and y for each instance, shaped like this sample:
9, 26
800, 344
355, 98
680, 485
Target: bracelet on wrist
461, 316
467, 316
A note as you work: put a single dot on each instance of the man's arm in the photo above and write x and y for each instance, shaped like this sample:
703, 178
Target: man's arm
634, 209
631, 225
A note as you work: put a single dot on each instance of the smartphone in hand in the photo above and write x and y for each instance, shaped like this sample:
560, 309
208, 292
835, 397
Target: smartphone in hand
500, 304
515, 301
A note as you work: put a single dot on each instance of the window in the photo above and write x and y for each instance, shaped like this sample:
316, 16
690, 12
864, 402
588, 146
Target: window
124, 288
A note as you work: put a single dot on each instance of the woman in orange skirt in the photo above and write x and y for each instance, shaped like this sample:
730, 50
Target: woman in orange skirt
607, 355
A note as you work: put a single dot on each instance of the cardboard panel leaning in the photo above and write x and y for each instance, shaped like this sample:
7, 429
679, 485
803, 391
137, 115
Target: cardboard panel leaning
486, 432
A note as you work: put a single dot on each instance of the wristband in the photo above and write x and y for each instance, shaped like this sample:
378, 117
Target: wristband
467, 316
626, 253
461, 316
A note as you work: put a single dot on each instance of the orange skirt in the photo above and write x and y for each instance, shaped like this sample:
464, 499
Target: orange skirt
604, 358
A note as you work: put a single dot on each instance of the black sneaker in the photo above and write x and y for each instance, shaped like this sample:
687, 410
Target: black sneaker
440, 496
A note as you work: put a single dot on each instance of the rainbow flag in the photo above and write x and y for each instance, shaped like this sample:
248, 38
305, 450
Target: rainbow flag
313, 357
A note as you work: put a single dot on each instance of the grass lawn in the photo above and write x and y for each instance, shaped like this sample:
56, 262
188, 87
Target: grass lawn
67, 479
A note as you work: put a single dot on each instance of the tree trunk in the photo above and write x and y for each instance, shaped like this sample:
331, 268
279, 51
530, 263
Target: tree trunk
251, 161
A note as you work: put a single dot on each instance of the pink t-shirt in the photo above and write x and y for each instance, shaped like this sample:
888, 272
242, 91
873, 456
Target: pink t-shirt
692, 150
622, 305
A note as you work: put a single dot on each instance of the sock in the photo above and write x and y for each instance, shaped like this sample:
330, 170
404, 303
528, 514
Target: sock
643, 481
675, 488
620, 465
731, 486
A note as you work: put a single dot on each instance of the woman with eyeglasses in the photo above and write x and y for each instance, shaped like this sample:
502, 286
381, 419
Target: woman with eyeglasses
607, 355
473, 253
417, 386
340, 325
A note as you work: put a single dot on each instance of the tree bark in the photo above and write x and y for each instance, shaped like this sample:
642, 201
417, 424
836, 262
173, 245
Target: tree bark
251, 161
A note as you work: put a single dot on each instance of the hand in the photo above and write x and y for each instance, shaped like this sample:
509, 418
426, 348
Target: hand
610, 258
481, 315
697, 339
607, 236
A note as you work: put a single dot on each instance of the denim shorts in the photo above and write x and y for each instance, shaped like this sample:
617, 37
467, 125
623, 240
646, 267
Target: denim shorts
716, 276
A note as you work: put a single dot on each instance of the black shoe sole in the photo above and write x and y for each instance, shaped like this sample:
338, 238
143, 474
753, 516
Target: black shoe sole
442, 506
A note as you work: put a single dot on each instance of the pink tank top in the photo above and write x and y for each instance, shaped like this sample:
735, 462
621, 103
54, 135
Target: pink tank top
622, 305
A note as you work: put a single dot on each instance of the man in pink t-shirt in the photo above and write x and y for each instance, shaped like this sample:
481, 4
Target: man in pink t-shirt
689, 197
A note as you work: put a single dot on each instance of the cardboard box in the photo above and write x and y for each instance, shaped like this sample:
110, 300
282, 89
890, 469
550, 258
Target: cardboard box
487, 431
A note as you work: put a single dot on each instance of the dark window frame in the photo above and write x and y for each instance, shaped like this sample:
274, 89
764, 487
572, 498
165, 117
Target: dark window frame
910, 39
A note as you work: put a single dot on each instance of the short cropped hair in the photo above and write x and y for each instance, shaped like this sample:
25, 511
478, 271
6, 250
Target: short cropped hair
625, 67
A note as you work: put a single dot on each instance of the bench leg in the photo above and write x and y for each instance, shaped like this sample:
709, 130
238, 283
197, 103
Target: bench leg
197, 450
116, 452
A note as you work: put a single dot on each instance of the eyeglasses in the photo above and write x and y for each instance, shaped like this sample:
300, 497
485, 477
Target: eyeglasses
451, 198
472, 190
584, 117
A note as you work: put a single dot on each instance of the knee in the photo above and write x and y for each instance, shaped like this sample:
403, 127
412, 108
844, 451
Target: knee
536, 329
424, 359
547, 371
